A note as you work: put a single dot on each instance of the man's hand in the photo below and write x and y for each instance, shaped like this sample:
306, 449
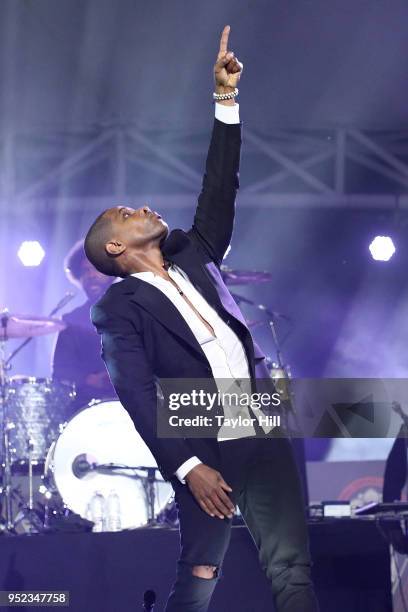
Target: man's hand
227, 69
209, 489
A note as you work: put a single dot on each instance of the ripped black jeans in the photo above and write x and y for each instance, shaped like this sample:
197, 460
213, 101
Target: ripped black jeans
266, 487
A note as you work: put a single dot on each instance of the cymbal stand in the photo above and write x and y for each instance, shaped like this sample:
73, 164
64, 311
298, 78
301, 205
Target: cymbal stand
148, 484
272, 317
30, 446
6, 491
284, 368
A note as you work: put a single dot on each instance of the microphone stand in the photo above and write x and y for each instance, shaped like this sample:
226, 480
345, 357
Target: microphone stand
148, 482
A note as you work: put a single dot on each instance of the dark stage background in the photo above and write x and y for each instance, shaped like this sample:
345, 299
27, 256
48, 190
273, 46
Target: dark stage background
105, 102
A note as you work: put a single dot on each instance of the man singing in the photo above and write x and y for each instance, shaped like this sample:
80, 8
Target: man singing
173, 317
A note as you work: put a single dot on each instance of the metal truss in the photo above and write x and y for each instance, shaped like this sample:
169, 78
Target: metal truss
339, 167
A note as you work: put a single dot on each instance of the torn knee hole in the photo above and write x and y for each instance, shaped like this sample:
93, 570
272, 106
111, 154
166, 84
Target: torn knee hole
205, 571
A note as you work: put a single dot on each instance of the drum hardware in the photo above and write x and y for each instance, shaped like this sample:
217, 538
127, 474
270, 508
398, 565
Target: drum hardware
148, 483
39, 407
244, 277
27, 520
277, 315
282, 375
53, 508
6, 487
30, 447
81, 466
253, 324
20, 326
281, 379
17, 326
279, 371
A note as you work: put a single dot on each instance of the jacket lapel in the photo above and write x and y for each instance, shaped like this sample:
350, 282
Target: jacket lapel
179, 249
207, 279
154, 301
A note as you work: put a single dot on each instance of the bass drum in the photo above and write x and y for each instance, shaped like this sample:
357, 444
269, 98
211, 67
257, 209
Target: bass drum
103, 433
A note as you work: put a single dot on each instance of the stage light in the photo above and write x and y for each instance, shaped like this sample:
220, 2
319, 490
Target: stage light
31, 253
382, 248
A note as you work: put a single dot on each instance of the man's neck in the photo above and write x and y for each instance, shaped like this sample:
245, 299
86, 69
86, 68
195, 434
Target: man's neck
150, 261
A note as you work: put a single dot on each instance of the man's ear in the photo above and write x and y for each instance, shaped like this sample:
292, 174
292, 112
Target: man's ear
114, 247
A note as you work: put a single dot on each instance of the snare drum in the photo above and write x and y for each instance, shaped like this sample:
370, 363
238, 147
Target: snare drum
103, 433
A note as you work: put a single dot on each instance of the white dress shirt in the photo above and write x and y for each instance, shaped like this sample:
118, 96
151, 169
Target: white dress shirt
224, 350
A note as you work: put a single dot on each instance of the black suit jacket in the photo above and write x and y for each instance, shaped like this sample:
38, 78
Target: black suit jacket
144, 337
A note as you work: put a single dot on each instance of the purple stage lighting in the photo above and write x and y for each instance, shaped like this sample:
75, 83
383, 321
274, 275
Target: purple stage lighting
31, 253
382, 248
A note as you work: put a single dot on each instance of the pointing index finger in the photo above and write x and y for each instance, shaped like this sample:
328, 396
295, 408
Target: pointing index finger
224, 39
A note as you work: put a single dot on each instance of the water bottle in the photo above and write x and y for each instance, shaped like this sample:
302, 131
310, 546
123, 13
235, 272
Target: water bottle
97, 508
88, 511
113, 512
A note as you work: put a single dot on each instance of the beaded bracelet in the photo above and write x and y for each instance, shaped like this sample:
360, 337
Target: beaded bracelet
226, 96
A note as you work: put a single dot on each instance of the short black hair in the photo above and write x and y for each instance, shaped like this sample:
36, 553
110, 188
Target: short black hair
73, 262
98, 235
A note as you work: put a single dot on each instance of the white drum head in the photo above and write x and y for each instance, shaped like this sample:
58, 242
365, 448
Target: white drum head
105, 433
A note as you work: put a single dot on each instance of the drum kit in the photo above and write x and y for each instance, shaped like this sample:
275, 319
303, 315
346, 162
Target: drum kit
96, 452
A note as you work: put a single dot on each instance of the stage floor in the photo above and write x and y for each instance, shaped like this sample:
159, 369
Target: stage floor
109, 572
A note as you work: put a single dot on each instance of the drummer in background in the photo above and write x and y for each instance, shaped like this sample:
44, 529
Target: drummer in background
77, 353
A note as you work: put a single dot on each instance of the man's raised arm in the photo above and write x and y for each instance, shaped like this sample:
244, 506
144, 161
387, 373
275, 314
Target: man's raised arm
214, 218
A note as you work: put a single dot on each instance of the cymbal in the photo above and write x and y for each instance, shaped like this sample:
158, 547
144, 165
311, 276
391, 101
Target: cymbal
244, 277
25, 326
